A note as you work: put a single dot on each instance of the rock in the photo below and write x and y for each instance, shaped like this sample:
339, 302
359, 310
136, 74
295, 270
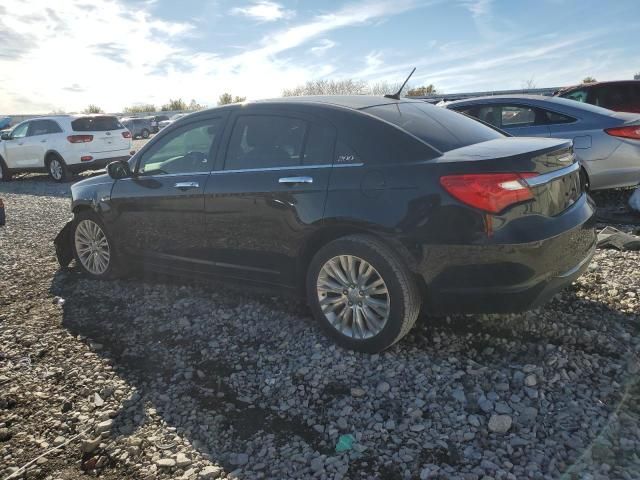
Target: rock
182, 460
166, 463
486, 406
66, 406
342, 423
358, 392
531, 380
383, 387
104, 426
59, 440
317, 464
458, 394
241, 459
5, 434
210, 472
500, 423
89, 446
473, 420
502, 407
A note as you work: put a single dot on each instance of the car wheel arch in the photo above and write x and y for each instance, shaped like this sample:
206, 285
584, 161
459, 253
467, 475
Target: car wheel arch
49, 154
329, 233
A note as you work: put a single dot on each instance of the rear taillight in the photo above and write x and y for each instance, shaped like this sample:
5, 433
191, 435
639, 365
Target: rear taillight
491, 192
86, 158
630, 131
126, 134
80, 138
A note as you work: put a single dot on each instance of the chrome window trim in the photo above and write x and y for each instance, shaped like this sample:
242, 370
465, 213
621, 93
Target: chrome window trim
292, 167
548, 177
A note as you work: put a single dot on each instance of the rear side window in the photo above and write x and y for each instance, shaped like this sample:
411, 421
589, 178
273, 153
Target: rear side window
318, 149
265, 141
439, 127
613, 97
518, 116
95, 124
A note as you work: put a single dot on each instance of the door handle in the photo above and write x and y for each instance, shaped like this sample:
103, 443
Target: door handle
187, 185
295, 180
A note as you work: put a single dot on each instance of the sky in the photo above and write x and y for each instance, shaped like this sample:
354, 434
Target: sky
119, 53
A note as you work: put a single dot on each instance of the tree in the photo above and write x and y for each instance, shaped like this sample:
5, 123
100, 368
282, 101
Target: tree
589, 80
636, 76
422, 91
140, 108
529, 84
195, 106
91, 108
227, 98
174, 106
328, 87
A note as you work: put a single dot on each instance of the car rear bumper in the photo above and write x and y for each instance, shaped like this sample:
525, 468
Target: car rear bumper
503, 278
96, 164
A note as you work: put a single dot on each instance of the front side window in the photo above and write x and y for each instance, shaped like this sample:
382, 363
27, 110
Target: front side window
577, 95
20, 131
265, 141
187, 150
43, 127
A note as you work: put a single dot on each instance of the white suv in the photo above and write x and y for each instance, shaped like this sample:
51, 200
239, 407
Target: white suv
63, 145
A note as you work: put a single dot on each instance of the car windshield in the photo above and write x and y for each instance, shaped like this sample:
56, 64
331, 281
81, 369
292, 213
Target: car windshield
439, 127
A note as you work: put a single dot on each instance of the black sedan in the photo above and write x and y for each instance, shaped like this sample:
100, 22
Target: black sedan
374, 208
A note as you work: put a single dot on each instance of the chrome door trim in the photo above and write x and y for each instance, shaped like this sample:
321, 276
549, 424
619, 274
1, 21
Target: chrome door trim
548, 177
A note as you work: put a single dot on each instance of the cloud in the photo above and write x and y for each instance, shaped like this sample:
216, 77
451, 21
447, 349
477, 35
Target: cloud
323, 45
478, 8
264, 11
74, 88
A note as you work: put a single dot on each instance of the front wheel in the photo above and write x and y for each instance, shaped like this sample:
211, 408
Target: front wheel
5, 174
145, 133
362, 293
92, 246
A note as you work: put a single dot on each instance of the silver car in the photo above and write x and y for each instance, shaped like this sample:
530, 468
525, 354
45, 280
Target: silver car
606, 142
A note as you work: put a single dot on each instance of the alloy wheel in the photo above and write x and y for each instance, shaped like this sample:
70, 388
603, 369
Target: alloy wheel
55, 167
92, 246
353, 296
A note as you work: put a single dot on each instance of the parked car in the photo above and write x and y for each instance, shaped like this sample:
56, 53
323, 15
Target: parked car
5, 123
155, 122
371, 207
619, 96
607, 143
62, 145
139, 127
169, 121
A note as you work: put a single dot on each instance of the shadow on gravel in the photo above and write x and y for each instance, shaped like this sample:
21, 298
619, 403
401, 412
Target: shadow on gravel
188, 380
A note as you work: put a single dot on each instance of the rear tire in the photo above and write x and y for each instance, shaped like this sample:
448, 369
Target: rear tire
145, 133
362, 293
57, 169
5, 174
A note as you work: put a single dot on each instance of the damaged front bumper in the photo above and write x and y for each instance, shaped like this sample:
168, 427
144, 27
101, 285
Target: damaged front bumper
64, 249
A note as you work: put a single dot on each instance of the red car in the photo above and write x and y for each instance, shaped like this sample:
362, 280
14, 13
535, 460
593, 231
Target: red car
619, 96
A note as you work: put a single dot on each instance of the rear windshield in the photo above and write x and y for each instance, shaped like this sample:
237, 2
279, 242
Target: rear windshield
441, 128
95, 124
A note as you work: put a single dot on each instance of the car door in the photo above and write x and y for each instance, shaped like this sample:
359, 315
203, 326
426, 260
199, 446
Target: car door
267, 193
38, 140
14, 148
158, 212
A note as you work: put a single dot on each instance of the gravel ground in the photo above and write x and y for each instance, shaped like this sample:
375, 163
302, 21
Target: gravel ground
151, 378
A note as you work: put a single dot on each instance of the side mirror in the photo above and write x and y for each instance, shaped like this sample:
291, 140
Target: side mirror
5, 136
119, 169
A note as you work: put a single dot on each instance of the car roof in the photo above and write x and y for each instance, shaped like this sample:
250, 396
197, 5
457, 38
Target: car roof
594, 84
355, 102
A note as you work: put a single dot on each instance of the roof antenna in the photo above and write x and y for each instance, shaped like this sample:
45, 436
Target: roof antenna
396, 96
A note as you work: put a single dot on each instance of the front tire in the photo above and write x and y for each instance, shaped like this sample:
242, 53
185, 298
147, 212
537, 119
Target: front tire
58, 170
145, 133
93, 247
5, 174
362, 293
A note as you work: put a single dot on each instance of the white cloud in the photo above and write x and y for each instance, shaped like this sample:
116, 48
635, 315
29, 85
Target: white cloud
322, 47
264, 11
478, 8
